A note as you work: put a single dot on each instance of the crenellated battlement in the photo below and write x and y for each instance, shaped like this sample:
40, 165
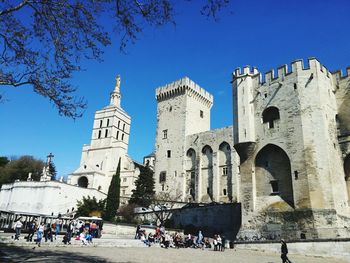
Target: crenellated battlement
296, 66
338, 74
182, 86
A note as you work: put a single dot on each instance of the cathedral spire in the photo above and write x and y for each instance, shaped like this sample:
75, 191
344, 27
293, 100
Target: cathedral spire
115, 94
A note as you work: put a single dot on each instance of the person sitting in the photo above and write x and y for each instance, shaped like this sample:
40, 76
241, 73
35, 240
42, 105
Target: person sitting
82, 237
151, 238
88, 237
207, 243
93, 229
167, 239
144, 239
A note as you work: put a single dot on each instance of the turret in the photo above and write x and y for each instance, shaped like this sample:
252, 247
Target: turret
245, 90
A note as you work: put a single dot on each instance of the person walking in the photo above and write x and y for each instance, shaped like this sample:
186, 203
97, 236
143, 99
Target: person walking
219, 240
17, 227
137, 234
48, 233
40, 233
223, 243
284, 252
69, 231
200, 239
58, 228
32, 228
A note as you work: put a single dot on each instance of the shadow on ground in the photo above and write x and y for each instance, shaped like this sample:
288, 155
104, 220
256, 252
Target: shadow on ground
10, 253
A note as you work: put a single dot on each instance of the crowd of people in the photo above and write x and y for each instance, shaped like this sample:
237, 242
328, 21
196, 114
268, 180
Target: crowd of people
176, 240
78, 229
86, 231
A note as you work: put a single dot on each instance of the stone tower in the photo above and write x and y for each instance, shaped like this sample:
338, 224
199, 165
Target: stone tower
183, 109
291, 165
109, 142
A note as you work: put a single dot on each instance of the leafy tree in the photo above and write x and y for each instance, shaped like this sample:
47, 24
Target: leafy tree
113, 196
52, 170
143, 194
3, 161
43, 42
20, 168
90, 206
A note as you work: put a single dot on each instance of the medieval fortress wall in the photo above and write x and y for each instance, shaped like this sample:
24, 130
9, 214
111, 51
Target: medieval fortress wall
286, 160
291, 158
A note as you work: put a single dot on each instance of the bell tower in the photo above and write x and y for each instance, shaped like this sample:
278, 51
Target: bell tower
109, 142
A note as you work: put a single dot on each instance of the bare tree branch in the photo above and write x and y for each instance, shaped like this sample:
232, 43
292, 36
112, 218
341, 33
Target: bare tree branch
14, 8
44, 41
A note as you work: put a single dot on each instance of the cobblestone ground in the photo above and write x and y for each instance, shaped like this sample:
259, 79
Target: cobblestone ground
145, 255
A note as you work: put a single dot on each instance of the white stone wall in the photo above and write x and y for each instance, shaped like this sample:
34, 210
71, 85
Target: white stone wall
43, 197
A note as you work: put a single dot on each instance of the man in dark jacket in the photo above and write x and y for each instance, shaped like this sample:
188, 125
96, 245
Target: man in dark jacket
32, 228
284, 252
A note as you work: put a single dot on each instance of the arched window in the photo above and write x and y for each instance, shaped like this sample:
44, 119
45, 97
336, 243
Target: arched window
207, 173
83, 182
273, 175
225, 171
99, 134
191, 159
270, 115
106, 133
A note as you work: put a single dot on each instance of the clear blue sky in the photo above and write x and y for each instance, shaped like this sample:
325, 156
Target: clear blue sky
260, 33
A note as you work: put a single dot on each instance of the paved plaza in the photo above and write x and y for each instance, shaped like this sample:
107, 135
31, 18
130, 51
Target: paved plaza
11, 253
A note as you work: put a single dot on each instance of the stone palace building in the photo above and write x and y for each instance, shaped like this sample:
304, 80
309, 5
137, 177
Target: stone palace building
286, 158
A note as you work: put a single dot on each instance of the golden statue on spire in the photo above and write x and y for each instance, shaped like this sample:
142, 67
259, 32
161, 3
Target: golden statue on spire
117, 84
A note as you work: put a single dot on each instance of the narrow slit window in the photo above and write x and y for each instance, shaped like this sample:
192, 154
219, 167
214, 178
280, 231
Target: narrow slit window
296, 175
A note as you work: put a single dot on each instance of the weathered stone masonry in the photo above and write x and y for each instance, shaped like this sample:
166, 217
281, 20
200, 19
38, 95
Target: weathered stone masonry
291, 158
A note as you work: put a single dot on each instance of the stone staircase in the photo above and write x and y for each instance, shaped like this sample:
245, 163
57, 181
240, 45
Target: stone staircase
112, 236
96, 242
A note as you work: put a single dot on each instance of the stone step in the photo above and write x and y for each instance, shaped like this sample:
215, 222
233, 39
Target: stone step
77, 243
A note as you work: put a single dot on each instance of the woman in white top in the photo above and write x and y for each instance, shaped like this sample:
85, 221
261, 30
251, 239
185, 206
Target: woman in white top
17, 227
